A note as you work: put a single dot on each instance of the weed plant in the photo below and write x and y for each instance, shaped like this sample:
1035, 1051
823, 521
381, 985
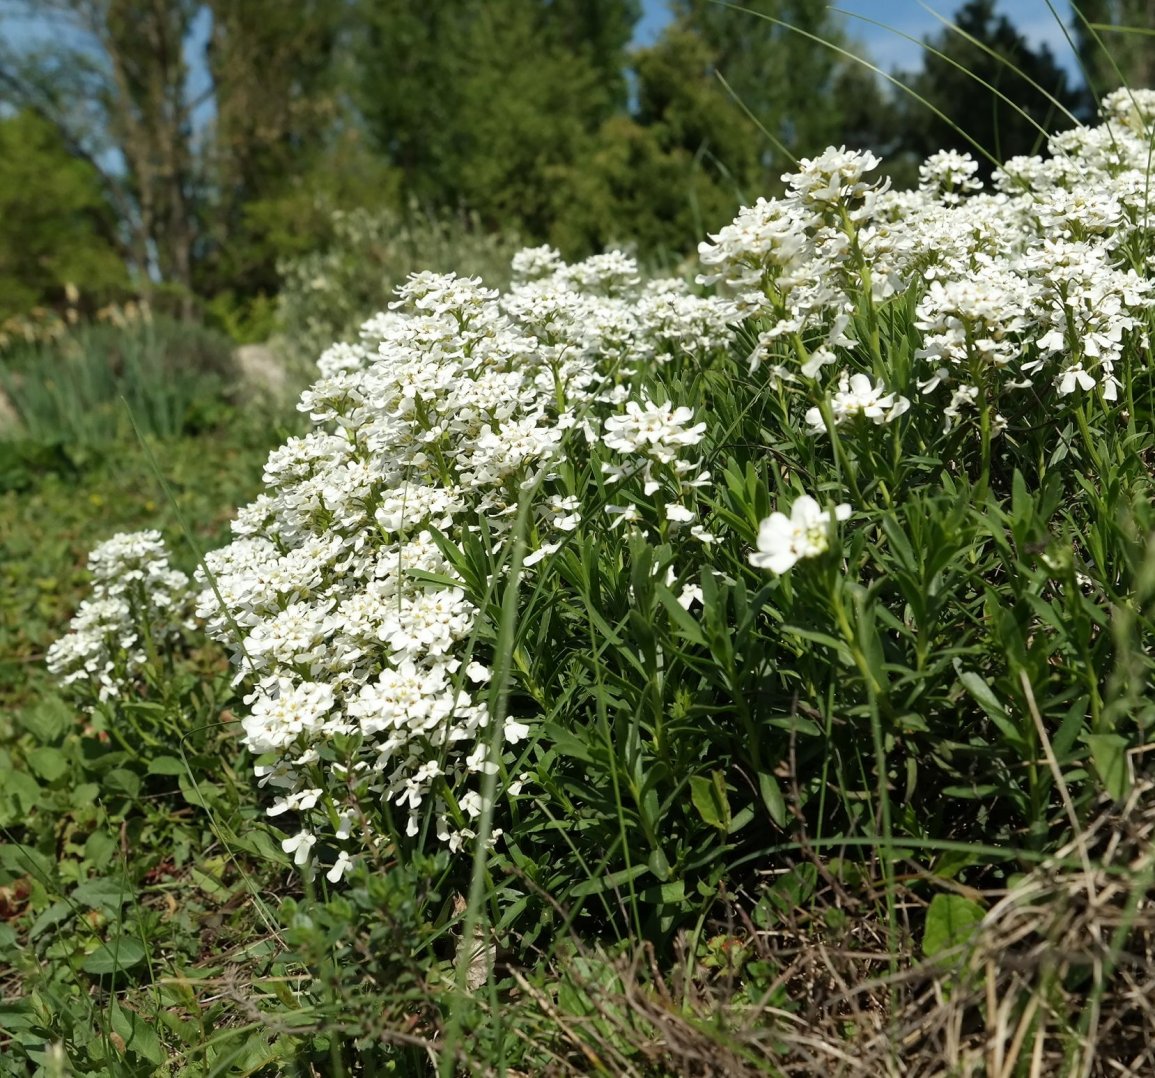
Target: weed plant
604, 645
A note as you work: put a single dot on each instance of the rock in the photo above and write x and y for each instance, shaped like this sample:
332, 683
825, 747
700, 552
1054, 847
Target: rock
261, 371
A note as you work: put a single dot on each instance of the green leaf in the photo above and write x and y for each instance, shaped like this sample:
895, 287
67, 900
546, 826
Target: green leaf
58, 912
709, 797
825, 639
985, 697
258, 841
659, 865
85, 794
122, 781
49, 763
99, 847
113, 956
772, 797
20, 793
613, 879
49, 720
685, 622
138, 1033
1109, 758
167, 765
202, 794
107, 894
950, 922
567, 743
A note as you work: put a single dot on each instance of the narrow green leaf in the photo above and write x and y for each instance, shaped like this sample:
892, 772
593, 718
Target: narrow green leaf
772, 797
985, 697
610, 881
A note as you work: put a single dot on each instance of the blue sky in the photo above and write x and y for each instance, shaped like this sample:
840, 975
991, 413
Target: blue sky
886, 45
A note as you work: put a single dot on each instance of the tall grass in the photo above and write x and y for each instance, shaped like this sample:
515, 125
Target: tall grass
86, 387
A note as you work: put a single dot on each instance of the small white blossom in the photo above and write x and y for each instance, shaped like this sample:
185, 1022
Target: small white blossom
784, 540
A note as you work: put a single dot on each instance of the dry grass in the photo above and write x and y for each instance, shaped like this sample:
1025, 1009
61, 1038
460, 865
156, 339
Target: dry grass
1059, 980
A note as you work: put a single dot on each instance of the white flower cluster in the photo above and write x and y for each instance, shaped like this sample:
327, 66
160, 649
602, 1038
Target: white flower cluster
339, 595
138, 603
1042, 278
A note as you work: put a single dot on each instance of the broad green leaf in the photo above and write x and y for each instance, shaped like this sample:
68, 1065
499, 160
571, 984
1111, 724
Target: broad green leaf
99, 847
113, 956
48, 762
49, 720
138, 1033
107, 894
85, 794
56, 913
950, 922
202, 794
122, 781
167, 765
1109, 758
19, 792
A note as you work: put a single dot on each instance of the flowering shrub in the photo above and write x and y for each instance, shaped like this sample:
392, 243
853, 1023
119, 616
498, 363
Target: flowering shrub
139, 606
625, 579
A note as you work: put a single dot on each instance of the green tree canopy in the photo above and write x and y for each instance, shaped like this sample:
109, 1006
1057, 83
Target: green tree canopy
1115, 43
480, 105
56, 226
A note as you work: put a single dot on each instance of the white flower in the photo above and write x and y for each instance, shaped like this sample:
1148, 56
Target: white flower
657, 430
515, 731
783, 540
471, 804
342, 865
690, 594
300, 846
855, 397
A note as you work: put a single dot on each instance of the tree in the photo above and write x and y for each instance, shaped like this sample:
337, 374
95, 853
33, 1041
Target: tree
273, 68
777, 58
179, 164
56, 226
481, 105
982, 77
112, 81
689, 155
675, 167
1114, 44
